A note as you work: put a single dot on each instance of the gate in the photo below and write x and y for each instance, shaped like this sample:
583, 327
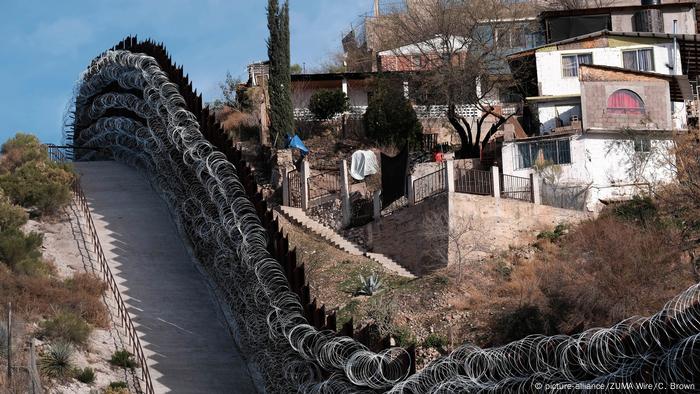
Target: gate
294, 190
473, 182
516, 188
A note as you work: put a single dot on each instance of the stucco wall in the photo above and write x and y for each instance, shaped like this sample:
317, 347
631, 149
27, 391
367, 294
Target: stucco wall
500, 223
549, 111
407, 237
549, 69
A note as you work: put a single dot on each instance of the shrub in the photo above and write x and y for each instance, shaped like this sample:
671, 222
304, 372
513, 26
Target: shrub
325, 104
20, 149
21, 251
521, 322
435, 341
117, 388
639, 209
554, 235
11, 216
609, 269
40, 185
123, 358
404, 336
86, 375
56, 361
390, 117
66, 326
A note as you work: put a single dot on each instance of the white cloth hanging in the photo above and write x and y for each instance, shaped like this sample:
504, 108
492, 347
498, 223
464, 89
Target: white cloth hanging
363, 163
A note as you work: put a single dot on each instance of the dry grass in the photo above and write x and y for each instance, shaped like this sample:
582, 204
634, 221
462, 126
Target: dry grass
40, 297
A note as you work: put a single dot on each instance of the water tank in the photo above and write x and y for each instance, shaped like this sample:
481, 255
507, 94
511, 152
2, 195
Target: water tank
649, 20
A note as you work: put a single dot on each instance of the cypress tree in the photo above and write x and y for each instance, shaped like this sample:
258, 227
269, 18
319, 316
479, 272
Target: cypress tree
280, 82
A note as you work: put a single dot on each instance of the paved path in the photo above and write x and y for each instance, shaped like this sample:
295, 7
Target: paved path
181, 328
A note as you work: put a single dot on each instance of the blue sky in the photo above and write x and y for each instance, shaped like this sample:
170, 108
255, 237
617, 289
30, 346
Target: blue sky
44, 45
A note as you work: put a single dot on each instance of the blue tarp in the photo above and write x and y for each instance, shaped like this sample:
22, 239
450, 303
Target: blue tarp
295, 142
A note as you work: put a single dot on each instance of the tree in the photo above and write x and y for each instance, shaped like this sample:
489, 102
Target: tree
390, 117
456, 59
296, 69
229, 89
325, 104
280, 82
460, 235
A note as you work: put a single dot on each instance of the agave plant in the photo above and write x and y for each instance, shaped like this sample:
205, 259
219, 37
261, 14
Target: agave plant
370, 285
56, 361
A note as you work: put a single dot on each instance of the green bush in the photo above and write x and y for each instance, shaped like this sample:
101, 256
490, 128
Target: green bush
11, 216
124, 359
39, 185
68, 327
21, 251
435, 341
390, 118
86, 375
56, 361
325, 104
558, 232
404, 336
639, 209
118, 385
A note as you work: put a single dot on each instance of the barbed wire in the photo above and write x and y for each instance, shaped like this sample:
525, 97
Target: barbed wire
213, 209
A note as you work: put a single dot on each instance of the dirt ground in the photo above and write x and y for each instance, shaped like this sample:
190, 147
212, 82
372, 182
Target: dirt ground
455, 308
65, 248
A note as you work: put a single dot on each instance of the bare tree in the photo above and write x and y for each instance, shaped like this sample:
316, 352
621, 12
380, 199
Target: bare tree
457, 51
455, 237
574, 4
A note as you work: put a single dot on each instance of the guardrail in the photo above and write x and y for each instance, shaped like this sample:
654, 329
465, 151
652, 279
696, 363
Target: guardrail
474, 182
516, 188
57, 154
324, 184
430, 184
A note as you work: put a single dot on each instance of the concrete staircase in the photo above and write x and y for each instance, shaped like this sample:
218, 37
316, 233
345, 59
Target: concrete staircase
298, 216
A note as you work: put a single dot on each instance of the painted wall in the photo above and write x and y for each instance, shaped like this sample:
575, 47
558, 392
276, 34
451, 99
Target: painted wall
549, 65
654, 94
548, 112
609, 164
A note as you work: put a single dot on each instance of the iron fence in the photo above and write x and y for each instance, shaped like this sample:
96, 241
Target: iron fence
294, 189
473, 182
324, 184
516, 188
565, 196
430, 185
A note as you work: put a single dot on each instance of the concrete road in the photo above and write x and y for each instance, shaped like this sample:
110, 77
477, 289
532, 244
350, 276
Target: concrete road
182, 329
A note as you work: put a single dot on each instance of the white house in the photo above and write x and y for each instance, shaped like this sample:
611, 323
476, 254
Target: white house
609, 105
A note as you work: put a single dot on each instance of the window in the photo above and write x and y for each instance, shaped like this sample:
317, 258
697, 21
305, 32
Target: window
625, 101
570, 63
639, 60
511, 37
642, 145
551, 151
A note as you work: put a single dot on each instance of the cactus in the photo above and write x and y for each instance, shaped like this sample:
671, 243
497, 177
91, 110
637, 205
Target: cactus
370, 285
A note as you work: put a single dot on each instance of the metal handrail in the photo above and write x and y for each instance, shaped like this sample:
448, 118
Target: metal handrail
56, 154
430, 184
108, 277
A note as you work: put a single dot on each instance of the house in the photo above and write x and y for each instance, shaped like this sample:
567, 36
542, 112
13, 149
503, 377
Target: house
608, 106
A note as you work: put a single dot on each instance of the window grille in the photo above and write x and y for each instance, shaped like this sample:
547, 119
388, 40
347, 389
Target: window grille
551, 151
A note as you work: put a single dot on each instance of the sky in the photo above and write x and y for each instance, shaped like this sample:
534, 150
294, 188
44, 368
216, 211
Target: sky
45, 45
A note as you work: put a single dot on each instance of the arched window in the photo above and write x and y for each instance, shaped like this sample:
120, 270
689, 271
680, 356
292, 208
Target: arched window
625, 101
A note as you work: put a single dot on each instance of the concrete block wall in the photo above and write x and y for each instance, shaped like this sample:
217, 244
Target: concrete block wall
654, 93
